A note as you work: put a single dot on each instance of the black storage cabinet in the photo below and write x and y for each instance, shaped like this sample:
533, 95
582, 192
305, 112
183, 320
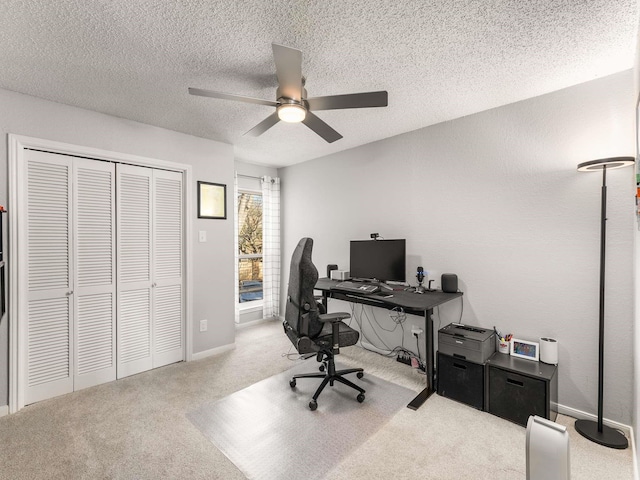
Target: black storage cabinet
517, 388
461, 380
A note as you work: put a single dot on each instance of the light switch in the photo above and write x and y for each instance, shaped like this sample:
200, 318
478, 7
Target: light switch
202, 236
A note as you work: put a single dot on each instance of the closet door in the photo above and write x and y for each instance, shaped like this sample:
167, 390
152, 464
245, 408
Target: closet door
150, 328
94, 272
48, 225
104, 272
71, 282
134, 312
168, 336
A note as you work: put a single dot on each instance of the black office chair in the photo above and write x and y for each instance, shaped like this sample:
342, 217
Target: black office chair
311, 329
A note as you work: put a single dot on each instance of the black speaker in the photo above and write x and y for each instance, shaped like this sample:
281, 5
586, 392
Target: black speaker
449, 282
329, 268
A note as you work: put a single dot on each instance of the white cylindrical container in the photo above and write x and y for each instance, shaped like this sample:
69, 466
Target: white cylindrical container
503, 346
549, 351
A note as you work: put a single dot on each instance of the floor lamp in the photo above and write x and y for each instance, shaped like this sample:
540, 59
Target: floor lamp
596, 431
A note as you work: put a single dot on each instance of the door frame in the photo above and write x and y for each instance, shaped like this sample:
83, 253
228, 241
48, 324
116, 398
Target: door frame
17, 251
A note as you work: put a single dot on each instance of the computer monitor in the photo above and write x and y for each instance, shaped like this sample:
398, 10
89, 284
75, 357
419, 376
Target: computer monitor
381, 260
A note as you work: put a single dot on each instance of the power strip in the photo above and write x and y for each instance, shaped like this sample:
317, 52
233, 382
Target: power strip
404, 359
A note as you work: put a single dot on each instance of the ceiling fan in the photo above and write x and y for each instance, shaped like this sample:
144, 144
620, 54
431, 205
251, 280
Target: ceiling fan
292, 104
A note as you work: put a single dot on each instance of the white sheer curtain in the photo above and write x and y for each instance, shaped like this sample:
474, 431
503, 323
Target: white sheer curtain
270, 246
235, 247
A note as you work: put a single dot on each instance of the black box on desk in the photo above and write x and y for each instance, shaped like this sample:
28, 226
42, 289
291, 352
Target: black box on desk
461, 380
467, 342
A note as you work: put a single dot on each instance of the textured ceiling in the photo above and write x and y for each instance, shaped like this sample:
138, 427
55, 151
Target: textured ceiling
438, 60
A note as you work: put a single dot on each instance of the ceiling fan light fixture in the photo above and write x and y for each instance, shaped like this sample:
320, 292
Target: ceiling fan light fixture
292, 104
291, 113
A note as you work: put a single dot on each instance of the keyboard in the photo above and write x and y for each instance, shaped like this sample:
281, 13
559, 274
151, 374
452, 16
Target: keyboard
357, 287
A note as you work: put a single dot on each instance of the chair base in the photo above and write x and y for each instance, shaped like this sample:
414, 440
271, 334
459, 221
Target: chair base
330, 376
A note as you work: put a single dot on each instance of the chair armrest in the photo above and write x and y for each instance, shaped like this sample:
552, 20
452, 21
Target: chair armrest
333, 317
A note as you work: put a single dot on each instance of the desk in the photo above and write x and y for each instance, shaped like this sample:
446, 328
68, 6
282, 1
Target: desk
412, 303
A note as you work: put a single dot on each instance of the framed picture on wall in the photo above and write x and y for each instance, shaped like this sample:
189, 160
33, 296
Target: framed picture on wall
212, 200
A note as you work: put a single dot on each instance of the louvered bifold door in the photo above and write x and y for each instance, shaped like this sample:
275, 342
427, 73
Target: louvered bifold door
134, 231
94, 273
168, 331
48, 225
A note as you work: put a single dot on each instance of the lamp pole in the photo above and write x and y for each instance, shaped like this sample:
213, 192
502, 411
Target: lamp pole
603, 239
596, 431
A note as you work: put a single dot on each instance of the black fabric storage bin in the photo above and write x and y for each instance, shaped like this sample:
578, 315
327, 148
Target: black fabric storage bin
518, 388
461, 380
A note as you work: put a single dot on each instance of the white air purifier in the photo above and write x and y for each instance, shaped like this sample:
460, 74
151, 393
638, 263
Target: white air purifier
547, 450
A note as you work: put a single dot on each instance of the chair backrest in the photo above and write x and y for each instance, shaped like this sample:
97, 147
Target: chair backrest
301, 312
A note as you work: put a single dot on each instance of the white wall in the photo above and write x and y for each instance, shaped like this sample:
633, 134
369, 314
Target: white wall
252, 170
211, 161
495, 198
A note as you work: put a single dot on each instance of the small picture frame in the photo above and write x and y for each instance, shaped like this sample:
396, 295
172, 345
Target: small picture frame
212, 200
525, 349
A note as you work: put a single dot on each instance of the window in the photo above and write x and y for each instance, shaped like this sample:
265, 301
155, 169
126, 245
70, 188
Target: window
250, 247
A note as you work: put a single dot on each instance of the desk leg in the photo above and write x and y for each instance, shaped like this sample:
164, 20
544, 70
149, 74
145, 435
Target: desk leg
428, 340
325, 301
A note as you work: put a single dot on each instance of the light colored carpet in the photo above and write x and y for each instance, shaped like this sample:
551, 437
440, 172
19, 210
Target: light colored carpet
136, 428
269, 433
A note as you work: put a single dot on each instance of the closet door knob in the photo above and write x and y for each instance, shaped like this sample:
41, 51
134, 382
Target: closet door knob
69, 293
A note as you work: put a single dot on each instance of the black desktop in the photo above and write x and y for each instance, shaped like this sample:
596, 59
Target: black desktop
378, 260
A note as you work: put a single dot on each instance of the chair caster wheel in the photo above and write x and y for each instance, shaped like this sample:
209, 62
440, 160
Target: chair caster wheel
321, 368
313, 405
292, 383
360, 398
360, 375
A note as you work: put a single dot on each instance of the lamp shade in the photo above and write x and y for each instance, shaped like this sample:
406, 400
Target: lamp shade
608, 163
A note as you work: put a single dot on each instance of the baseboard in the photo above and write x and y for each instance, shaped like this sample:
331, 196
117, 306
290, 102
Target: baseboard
4, 410
633, 452
580, 415
213, 351
255, 322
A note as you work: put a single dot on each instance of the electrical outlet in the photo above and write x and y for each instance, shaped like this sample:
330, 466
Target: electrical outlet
415, 330
203, 325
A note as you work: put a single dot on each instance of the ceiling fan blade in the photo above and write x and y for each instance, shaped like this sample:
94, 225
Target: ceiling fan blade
228, 96
321, 128
264, 125
353, 100
289, 70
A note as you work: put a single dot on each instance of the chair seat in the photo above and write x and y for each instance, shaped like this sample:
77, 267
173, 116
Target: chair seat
347, 336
